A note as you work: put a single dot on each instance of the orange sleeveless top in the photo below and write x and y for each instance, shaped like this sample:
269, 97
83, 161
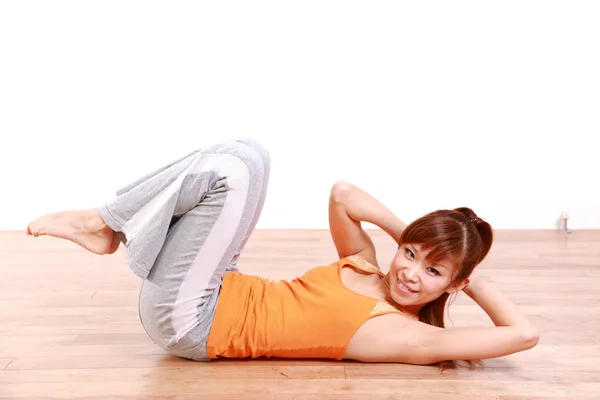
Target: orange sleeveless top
313, 316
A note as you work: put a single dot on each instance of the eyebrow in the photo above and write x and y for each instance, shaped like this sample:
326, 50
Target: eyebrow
414, 250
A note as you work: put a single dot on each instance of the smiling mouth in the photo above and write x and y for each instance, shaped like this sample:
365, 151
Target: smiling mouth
403, 287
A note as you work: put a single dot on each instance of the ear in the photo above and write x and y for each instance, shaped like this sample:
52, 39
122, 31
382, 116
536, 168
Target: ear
458, 286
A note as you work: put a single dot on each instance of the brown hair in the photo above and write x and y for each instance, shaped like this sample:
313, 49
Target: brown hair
457, 236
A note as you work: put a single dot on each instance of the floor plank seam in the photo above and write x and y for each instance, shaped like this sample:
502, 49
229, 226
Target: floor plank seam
10, 362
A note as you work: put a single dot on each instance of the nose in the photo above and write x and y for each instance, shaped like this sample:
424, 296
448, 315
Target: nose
411, 273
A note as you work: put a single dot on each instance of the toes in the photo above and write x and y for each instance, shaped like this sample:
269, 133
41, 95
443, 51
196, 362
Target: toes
32, 231
35, 231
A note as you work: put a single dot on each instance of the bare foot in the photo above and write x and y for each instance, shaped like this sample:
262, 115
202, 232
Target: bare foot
85, 228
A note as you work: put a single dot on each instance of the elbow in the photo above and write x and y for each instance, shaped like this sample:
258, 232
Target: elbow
339, 192
529, 338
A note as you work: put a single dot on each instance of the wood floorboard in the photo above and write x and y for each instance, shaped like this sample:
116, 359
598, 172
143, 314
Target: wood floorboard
69, 328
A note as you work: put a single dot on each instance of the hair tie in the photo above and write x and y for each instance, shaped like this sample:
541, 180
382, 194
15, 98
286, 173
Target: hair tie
475, 220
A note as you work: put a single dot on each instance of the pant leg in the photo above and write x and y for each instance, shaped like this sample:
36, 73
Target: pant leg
184, 226
143, 211
146, 177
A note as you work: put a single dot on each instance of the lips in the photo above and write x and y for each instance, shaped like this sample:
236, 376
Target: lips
403, 287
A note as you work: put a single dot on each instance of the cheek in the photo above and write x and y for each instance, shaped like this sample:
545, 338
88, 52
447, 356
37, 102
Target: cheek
434, 285
396, 265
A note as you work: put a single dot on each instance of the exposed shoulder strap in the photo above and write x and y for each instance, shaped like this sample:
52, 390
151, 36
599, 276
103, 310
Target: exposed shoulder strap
383, 307
363, 264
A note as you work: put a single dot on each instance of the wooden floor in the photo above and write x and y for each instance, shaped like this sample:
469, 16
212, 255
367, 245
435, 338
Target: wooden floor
69, 328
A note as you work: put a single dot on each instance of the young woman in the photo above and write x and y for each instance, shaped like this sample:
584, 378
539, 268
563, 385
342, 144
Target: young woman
185, 225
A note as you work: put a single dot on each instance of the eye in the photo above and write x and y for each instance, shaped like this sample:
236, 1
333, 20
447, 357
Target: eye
409, 254
433, 271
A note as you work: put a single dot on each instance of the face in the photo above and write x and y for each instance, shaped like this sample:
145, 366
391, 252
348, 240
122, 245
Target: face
412, 282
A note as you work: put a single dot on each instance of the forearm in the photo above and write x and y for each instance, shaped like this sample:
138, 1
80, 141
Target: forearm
363, 207
498, 307
512, 333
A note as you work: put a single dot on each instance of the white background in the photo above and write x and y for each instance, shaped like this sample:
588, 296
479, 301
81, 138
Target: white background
426, 105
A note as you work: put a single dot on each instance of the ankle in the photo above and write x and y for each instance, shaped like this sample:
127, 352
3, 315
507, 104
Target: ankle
93, 221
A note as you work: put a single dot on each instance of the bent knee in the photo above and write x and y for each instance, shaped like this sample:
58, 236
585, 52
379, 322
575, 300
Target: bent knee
254, 155
243, 161
259, 148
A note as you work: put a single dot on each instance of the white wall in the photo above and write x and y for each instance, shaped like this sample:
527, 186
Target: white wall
426, 105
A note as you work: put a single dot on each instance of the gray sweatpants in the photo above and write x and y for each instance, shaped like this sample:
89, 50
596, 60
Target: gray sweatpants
184, 226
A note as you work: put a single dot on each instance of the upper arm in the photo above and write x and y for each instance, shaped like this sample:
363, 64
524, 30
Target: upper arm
401, 339
348, 235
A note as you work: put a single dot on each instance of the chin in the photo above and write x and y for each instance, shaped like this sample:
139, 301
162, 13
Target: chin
402, 297
405, 301
402, 290
405, 296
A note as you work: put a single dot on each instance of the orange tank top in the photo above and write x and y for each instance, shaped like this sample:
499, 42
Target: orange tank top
313, 316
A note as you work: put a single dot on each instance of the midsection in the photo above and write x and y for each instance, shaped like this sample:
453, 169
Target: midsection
286, 319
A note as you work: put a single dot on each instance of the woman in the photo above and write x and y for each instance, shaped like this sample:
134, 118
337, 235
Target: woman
185, 225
